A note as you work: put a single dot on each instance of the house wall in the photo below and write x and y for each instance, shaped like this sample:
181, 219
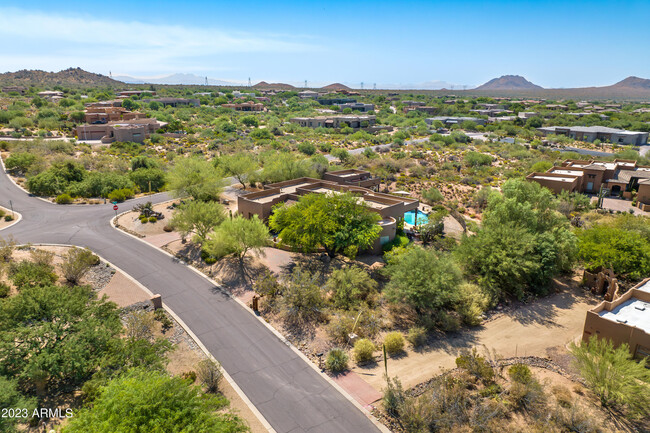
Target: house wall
618, 333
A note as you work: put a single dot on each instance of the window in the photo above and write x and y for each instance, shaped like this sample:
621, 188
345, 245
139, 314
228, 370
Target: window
591, 176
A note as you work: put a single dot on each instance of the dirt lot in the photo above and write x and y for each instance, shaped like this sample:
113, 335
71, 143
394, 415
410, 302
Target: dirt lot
542, 328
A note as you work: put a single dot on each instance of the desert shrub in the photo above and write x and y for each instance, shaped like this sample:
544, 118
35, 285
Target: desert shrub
9, 218
139, 325
475, 365
337, 360
350, 286
6, 249
394, 343
562, 395
4, 290
210, 374
393, 396
520, 373
190, 376
529, 396
27, 274
76, 262
41, 257
613, 375
63, 199
120, 195
471, 304
302, 299
416, 414
575, 419
417, 336
162, 317
432, 196
340, 328
363, 350
153, 219
447, 321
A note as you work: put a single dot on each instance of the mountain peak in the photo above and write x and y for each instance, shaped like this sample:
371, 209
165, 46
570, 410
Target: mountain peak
509, 82
634, 82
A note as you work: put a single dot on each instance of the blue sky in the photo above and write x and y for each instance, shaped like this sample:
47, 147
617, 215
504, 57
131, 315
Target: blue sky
553, 44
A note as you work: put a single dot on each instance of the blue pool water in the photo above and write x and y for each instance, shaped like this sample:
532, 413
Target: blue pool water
409, 218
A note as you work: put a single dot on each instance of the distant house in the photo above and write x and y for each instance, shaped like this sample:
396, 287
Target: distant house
51, 95
95, 115
455, 120
245, 106
357, 106
620, 177
602, 133
422, 108
129, 93
135, 130
527, 114
307, 94
355, 122
335, 101
238, 94
17, 89
174, 102
390, 208
414, 103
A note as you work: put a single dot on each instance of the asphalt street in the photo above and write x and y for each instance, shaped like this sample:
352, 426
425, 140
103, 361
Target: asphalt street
288, 392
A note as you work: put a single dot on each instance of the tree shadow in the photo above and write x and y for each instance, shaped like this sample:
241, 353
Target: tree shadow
545, 311
237, 275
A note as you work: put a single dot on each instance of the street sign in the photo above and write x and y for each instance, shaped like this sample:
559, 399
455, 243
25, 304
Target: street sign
115, 207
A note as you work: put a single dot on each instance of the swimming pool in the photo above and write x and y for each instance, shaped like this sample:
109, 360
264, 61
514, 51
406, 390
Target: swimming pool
409, 218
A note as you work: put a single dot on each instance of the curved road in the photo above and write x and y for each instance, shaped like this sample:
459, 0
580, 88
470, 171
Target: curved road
288, 392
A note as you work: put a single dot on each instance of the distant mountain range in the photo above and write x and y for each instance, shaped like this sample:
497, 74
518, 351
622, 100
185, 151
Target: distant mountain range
631, 88
509, 82
174, 79
70, 77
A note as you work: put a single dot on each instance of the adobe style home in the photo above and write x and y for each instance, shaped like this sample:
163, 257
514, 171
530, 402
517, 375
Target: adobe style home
602, 133
135, 130
354, 122
390, 208
620, 177
245, 106
626, 319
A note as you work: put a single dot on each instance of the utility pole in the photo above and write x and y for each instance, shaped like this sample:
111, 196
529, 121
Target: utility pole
249, 81
11, 205
305, 84
362, 85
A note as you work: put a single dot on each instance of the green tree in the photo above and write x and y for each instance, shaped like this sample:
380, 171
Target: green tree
20, 162
199, 218
338, 223
475, 159
251, 121
302, 299
522, 243
424, 279
613, 375
153, 402
624, 250
63, 333
195, 177
341, 154
10, 397
145, 178
237, 236
285, 166
350, 286
241, 166
432, 196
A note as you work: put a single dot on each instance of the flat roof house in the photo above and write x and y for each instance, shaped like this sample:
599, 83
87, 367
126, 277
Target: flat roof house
454, 120
602, 133
389, 207
245, 106
626, 319
357, 106
306, 94
127, 93
175, 102
135, 130
355, 122
620, 177
17, 89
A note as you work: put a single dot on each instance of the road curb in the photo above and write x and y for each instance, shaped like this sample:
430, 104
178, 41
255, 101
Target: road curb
229, 379
16, 219
275, 332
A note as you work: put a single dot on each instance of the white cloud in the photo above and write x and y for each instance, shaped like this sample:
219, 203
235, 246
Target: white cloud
36, 39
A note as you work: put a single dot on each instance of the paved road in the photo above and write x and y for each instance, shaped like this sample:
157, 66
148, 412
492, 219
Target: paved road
284, 388
586, 151
643, 150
